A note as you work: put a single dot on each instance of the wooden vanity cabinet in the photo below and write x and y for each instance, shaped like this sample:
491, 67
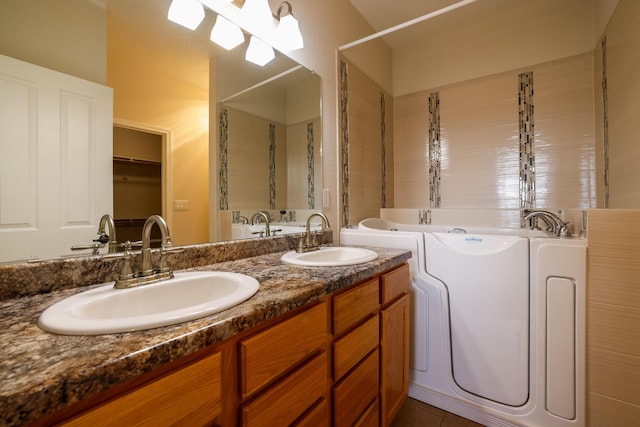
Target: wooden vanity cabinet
342, 361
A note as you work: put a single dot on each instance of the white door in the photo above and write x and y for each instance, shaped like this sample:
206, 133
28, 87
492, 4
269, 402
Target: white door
55, 160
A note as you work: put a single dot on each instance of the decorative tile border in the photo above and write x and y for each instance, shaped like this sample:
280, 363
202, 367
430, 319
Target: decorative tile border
605, 122
383, 148
222, 159
272, 166
527, 179
344, 141
434, 150
311, 201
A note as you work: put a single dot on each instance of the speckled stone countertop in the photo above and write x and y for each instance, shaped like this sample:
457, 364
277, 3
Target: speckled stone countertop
42, 372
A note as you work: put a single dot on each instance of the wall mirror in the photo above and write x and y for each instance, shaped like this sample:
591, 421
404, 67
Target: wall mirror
281, 93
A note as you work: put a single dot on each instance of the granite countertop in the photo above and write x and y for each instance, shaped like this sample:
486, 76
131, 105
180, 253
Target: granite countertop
42, 372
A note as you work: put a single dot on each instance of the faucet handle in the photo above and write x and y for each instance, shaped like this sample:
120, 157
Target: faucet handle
95, 248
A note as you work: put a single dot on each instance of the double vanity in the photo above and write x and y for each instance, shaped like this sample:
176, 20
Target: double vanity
306, 339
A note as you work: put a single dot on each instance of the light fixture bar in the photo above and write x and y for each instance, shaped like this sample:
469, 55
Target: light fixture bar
233, 14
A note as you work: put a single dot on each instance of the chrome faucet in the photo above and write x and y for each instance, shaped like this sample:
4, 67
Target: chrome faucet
147, 274
309, 242
265, 215
146, 268
107, 220
554, 223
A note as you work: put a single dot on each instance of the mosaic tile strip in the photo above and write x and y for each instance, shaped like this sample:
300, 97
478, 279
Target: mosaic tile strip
311, 173
383, 148
434, 150
272, 166
223, 139
527, 180
344, 141
605, 122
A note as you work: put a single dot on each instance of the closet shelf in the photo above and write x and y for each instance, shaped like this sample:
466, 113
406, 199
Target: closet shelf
140, 161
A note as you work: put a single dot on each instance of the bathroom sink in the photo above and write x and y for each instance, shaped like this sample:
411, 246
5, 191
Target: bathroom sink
330, 256
188, 296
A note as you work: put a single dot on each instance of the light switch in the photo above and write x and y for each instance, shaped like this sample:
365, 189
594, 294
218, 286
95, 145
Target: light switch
180, 205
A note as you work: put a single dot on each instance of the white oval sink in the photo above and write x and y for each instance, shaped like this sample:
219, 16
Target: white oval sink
188, 296
330, 256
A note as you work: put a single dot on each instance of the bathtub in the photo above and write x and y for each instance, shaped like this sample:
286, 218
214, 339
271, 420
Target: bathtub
498, 320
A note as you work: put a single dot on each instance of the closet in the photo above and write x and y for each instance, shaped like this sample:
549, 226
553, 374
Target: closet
137, 181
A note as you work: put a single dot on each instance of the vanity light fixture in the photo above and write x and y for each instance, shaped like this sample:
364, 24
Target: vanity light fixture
259, 52
226, 34
254, 17
288, 31
188, 13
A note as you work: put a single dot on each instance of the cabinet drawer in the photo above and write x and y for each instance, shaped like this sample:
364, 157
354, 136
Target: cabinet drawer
355, 392
286, 401
371, 416
319, 416
270, 353
354, 346
394, 283
189, 396
354, 305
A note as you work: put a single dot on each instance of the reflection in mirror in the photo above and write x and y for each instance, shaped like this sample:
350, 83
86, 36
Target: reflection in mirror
269, 152
161, 75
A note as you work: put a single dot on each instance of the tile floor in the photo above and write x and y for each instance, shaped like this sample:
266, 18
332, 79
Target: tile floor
417, 414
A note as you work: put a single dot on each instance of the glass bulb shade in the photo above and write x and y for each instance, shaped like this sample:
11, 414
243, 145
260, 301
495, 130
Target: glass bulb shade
258, 13
259, 52
288, 34
226, 34
188, 13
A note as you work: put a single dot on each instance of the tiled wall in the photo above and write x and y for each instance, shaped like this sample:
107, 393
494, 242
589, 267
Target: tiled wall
481, 141
613, 307
367, 143
255, 172
266, 165
622, 109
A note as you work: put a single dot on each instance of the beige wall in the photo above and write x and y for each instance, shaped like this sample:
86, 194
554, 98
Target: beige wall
539, 31
64, 35
613, 313
623, 95
160, 86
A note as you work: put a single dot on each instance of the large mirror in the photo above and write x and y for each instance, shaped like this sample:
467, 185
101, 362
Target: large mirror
171, 85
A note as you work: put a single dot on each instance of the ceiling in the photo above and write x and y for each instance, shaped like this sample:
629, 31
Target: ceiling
384, 14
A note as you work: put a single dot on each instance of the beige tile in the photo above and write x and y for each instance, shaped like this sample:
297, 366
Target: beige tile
603, 411
614, 328
614, 281
614, 375
610, 234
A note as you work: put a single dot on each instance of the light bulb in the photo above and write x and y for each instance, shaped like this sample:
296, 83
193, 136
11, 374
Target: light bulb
259, 52
188, 13
226, 34
288, 34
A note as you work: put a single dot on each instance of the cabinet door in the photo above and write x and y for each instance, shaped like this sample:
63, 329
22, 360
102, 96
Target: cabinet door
189, 396
394, 360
